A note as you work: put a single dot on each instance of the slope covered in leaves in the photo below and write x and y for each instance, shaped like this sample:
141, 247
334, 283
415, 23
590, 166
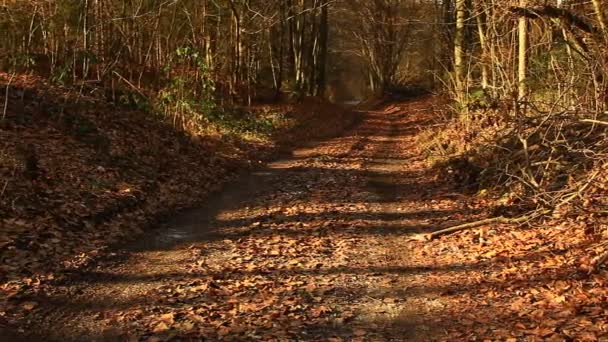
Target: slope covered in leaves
78, 174
545, 277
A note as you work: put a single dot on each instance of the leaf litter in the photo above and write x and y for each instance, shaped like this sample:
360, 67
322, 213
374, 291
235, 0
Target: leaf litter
324, 251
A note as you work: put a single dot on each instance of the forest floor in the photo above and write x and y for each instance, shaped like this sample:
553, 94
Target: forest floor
320, 247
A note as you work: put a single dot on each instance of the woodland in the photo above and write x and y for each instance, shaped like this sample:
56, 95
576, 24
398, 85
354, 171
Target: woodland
303, 170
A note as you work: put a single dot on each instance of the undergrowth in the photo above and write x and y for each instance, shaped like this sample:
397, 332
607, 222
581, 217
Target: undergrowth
544, 161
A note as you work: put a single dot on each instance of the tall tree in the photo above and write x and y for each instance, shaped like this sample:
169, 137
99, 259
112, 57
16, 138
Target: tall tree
459, 51
522, 55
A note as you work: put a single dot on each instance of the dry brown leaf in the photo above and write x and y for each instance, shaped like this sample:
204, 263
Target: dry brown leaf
160, 327
359, 332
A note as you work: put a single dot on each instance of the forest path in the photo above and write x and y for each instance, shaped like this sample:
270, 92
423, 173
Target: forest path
314, 247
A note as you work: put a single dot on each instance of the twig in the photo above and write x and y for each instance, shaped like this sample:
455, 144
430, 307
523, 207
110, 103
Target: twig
4, 188
501, 220
375, 299
5, 185
599, 261
595, 122
130, 84
6, 96
572, 196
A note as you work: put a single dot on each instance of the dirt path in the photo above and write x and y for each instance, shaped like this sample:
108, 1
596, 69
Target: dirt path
314, 248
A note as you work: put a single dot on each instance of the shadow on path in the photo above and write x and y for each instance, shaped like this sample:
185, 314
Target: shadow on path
321, 217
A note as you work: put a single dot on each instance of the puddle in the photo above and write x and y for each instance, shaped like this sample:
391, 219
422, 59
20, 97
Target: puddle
200, 224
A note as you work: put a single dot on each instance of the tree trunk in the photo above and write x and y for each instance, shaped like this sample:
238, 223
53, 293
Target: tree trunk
481, 29
599, 12
459, 67
323, 41
522, 55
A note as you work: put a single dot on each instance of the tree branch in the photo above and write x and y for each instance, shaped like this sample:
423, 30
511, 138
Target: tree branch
548, 11
500, 220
